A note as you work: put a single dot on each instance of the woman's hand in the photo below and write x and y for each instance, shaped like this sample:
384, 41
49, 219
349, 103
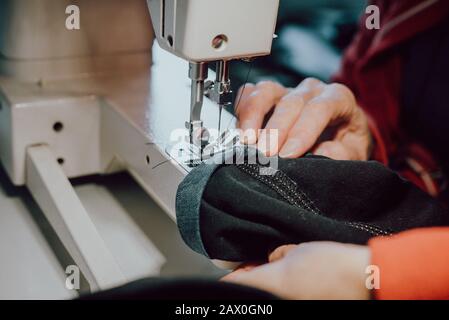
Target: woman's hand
315, 271
317, 117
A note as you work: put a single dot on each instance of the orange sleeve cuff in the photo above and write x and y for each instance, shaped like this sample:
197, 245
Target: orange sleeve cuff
413, 265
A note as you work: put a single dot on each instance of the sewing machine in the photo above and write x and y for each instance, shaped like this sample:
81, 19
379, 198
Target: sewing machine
100, 100
206, 31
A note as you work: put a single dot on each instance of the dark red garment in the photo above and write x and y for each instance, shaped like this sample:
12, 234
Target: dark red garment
372, 68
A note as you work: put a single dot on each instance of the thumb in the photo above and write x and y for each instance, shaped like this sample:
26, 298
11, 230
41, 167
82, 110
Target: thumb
266, 278
281, 252
334, 150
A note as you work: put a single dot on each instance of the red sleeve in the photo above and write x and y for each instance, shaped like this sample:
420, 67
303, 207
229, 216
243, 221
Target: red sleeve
353, 75
413, 265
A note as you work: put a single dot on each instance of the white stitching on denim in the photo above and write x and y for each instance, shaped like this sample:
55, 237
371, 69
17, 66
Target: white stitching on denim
302, 200
362, 228
306, 201
371, 227
272, 185
375, 228
286, 182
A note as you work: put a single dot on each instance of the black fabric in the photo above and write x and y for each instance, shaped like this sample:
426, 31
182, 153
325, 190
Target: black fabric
243, 215
180, 289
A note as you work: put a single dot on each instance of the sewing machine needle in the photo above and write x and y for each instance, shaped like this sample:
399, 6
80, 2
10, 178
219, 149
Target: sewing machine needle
219, 120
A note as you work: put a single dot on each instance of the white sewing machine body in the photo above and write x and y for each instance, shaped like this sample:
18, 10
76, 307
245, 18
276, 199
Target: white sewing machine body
96, 101
190, 29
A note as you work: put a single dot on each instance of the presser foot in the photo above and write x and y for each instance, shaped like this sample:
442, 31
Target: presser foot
189, 155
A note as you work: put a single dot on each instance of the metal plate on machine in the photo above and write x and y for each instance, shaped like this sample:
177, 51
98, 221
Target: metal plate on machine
189, 156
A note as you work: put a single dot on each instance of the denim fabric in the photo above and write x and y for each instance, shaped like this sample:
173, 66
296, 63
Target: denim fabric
240, 215
188, 203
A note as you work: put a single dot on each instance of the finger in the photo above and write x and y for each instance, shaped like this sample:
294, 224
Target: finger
256, 105
318, 114
230, 276
244, 92
242, 95
266, 277
281, 252
311, 83
334, 150
358, 142
306, 131
285, 115
242, 268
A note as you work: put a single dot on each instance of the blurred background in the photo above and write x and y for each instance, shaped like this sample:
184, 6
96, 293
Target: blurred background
312, 35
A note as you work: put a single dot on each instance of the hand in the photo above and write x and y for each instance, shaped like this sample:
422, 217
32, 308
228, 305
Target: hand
315, 271
303, 117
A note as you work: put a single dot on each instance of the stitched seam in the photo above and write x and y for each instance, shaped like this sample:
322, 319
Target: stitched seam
280, 191
303, 199
362, 228
298, 198
274, 184
371, 227
375, 228
306, 201
284, 181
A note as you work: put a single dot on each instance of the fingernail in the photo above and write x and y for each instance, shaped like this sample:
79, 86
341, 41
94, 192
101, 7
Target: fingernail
249, 140
290, 149
262, 146
249, 136
320, 153
247, 124
269, 142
